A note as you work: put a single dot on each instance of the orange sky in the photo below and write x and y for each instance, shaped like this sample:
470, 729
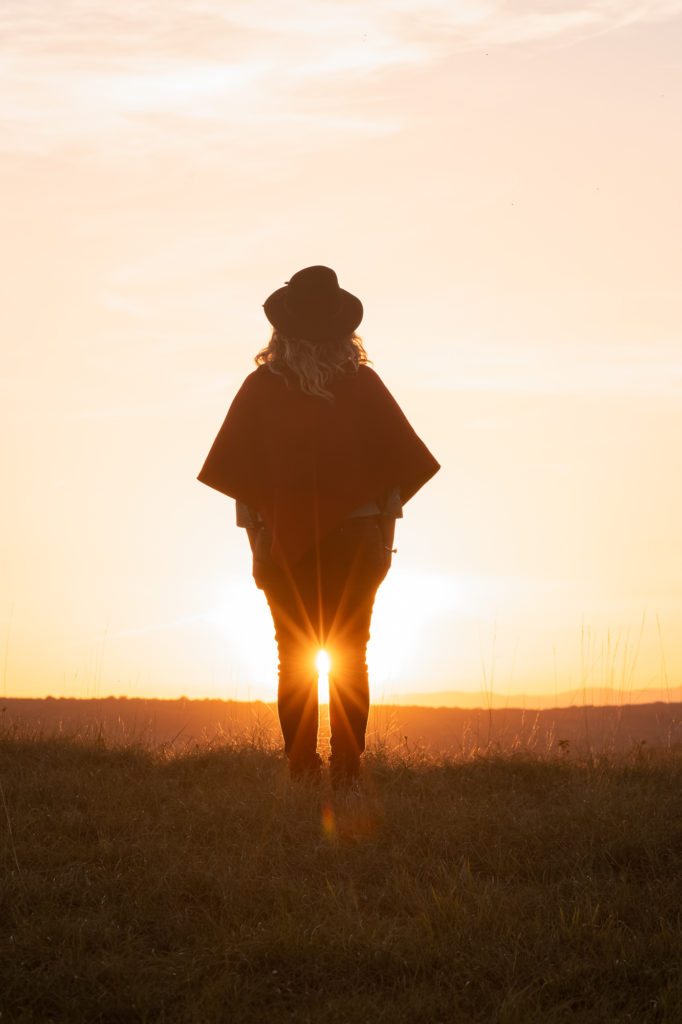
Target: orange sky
500, 185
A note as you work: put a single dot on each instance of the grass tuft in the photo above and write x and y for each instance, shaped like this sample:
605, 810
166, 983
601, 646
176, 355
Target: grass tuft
147, 884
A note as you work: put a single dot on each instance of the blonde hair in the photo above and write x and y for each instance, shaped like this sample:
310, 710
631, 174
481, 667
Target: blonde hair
314, 364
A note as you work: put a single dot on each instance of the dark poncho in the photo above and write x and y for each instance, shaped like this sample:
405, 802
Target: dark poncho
305, 463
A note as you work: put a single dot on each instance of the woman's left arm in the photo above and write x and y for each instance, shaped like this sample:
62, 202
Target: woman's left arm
387, 524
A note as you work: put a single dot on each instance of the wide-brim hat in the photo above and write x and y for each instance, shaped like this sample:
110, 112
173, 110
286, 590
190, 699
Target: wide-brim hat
311, 305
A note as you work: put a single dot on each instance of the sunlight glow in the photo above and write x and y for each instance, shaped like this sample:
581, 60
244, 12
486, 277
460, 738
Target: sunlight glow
323, 665
531, 402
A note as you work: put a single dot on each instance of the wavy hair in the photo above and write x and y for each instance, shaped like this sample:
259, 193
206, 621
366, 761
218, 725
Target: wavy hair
313, 364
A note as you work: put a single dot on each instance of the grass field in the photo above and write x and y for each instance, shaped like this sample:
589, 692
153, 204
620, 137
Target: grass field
142, 884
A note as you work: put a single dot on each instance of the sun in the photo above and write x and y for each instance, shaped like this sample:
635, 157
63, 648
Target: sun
322, 664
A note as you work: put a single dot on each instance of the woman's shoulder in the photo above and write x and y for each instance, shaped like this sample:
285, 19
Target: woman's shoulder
370, 381
260, 373
252, 389
259, 379
354, 382
368, 375
263, 389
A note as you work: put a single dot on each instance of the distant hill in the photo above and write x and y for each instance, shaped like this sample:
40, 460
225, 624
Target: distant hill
181, 723
594, 695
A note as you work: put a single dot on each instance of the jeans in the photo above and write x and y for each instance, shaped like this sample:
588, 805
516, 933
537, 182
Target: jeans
325, 600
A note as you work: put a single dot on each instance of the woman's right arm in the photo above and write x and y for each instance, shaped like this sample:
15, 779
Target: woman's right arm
252, 533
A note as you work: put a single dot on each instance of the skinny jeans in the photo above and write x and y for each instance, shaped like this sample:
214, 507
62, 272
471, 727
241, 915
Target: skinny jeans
324, 601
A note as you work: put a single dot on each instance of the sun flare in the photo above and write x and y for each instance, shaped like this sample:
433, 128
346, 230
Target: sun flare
323, 665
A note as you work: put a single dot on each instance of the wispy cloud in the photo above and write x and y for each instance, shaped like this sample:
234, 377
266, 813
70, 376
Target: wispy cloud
81, 72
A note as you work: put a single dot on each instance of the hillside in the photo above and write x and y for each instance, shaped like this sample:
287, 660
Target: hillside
182, 722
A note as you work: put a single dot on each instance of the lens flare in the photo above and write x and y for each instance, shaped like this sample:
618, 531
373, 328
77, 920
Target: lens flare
322, 663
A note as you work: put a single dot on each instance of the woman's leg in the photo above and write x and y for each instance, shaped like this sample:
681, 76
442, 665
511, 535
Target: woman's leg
355, 562
349, 689
297, 703
326, 601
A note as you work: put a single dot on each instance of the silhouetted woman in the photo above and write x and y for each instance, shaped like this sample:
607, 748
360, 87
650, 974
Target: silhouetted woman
320, 460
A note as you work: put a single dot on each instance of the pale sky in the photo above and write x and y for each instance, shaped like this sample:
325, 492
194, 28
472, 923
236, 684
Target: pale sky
498, 182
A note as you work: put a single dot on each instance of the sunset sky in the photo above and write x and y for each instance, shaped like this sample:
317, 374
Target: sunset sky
498, 181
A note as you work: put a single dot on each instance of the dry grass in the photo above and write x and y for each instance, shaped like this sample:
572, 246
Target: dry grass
140, 884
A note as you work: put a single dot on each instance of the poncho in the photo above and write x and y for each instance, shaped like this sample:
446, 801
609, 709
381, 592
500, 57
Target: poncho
305, 463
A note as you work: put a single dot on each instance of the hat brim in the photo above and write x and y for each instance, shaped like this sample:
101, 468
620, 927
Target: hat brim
345, 321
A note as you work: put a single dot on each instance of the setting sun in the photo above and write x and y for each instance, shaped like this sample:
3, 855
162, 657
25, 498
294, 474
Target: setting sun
323, 665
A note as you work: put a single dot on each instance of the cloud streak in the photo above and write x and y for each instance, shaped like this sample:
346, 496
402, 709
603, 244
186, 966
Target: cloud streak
85, 74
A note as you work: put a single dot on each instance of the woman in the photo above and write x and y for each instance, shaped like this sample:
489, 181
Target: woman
320, 460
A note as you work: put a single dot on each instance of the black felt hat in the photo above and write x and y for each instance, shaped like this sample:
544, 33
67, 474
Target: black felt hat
311, 305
